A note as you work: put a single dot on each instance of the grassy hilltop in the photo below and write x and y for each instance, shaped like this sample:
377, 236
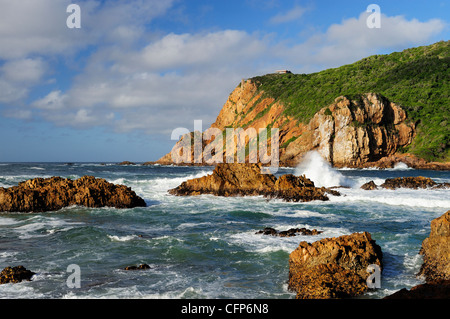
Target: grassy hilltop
416, 78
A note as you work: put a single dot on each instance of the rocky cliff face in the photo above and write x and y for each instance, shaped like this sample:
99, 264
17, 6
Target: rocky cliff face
350, 132
436, 250
353, 132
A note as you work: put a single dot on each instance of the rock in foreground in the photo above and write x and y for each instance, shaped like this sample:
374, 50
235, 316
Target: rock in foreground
434, 290
50, 194
247, 180
15, 275
333, 267
436, 250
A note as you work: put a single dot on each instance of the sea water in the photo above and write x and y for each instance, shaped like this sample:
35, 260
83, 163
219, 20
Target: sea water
206, 247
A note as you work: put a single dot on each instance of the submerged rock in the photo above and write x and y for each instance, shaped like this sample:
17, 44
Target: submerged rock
436, 250
289, 233
333, 267
247, 180
15, 275
50, 194
140, 267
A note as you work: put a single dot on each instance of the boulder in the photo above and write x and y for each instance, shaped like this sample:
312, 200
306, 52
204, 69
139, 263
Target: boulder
439, 289
51, 194
15, 275
369, 186
243, 179
333, 267
436, 250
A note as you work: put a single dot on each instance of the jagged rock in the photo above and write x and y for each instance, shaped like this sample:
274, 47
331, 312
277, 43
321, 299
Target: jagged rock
51, 194
369, 186
127, 163
436, 250
408, 182
333, 267
439, 289
15, 275
140, 267
247, 180
289, 233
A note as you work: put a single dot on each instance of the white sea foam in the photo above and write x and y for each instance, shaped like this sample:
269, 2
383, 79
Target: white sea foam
122, 238
320, 172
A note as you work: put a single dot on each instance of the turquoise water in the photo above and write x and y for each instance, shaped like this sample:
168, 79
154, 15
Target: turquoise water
204, 247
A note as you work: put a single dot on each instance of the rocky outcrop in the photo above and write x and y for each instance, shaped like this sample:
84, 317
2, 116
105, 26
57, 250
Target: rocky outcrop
333, 267
139, 267
51, 194
436, 250
247, 180
407, 182
439, 289
352, 132
409, 160
15, 275
289, 233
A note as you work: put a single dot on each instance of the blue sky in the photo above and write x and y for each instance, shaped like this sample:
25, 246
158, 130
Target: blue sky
116, 88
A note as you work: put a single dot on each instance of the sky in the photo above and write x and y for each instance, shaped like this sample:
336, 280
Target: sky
118, 86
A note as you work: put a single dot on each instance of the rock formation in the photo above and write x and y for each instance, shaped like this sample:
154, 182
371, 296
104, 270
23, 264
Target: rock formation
407, 182
333, 267
436, 250
50, 194
247, 180
15, 275
439, 289
289, 233
350, 132
140, 267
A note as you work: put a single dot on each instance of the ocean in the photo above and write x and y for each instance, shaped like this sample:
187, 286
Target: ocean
206, 247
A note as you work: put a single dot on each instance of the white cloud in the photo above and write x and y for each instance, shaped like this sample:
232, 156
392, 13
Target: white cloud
294, 14
352, 40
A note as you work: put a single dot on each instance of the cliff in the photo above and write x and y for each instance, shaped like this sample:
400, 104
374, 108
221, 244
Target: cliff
385, 110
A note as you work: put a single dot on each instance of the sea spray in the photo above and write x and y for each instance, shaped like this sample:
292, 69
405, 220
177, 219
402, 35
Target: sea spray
320, 172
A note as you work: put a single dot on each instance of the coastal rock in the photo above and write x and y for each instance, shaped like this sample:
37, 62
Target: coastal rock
333, 267
15, 275
247, 180
408, 182
436, 250
140, 267
369, 186
289, 233
124, 163
51, 194
439, 289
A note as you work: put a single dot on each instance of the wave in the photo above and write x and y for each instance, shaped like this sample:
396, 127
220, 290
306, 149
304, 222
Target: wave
320, 172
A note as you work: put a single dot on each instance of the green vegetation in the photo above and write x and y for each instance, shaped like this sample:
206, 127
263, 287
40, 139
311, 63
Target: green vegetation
417, 79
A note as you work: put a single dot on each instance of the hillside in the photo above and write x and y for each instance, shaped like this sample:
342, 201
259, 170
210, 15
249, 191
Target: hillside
415, 82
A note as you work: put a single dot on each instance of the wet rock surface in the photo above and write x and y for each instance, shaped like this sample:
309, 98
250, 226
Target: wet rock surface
289, 233
333, 267
247, 180
51, 194
15, 275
